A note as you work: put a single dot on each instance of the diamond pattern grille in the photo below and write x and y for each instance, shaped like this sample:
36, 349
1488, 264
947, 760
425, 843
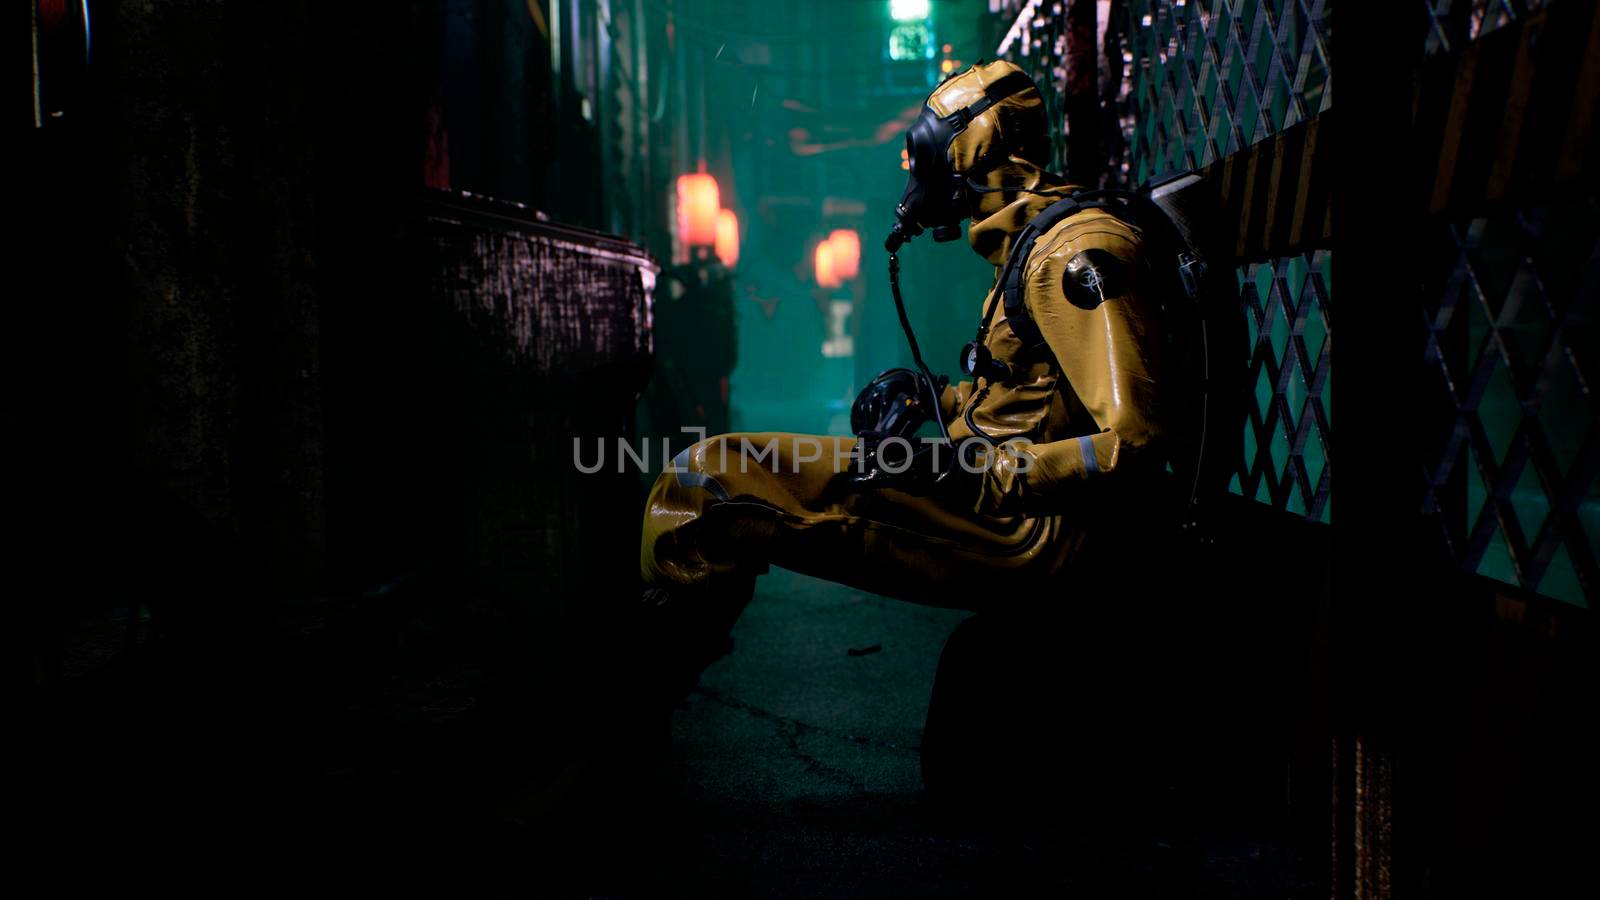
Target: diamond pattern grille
1209, 78
1213, 76
1287, 434
1511, 470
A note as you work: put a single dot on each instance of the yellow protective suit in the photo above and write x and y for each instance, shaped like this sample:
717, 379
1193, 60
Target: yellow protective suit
1077, 495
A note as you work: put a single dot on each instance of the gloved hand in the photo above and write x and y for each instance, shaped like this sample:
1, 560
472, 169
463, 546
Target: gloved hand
922, 468
894, 404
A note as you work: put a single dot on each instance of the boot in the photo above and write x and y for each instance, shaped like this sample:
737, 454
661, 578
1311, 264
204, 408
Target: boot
683, 630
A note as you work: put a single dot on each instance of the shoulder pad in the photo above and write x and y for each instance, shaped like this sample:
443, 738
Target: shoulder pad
1090, 228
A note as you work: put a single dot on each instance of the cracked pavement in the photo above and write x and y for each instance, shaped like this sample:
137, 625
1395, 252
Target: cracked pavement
792, 717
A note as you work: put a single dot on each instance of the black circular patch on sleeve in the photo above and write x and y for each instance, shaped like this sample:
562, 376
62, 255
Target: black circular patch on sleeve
1092, 276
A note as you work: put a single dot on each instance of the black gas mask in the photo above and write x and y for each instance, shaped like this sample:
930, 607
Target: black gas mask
936, 195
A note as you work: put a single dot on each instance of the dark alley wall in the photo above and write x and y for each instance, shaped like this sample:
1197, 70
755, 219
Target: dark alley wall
292, 488
252, 384
186, 194
226, 197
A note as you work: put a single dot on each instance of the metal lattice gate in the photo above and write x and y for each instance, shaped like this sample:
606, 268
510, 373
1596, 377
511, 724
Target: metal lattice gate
1510, 273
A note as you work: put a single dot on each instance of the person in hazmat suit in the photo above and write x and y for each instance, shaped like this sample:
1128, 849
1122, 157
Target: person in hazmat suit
1044, 478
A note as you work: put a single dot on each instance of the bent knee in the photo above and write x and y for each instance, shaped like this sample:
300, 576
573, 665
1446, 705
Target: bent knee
700, 467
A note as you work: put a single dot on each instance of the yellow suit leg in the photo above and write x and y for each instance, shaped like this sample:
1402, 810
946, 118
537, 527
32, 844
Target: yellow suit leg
741, 502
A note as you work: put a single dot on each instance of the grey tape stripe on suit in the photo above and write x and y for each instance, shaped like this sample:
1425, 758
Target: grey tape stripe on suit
1090, 462
690, 479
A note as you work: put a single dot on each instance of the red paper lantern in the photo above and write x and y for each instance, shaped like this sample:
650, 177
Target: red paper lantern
727, 246
698, 203
823, 260
846, 253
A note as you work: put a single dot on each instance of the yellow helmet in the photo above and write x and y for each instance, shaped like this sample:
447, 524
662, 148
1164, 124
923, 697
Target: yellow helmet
970, 124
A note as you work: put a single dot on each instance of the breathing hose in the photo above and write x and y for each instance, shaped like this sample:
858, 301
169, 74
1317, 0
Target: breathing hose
929, 383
